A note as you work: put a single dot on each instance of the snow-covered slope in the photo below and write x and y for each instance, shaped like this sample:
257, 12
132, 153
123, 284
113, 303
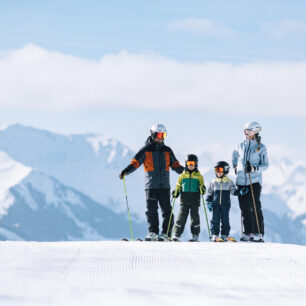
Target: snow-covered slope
145, 273
11, 173
84, 162
38, 207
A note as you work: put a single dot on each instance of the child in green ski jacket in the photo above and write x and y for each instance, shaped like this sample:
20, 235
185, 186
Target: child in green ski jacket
190, 185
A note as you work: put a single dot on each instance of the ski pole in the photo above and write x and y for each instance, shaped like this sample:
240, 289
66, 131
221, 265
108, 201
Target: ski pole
241, 224
208, 229
252, 192
127, 205
171, 217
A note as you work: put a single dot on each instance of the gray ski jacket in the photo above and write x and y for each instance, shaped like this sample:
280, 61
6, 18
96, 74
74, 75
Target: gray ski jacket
219, 191
257, 155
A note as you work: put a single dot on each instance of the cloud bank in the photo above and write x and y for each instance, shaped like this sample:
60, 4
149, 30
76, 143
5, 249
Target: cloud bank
33, 77
285, 29
201, 26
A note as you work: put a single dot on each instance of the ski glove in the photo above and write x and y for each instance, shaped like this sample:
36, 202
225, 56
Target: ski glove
209, 206
175, 194
248, 167
122, 174
203, 189
126, 170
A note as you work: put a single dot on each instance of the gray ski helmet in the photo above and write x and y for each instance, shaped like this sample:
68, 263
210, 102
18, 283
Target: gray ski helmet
191, 157
224, 165
253, 126
158, 128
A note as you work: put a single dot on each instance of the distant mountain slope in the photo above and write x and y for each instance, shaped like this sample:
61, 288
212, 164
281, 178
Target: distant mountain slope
46, 210
84, 162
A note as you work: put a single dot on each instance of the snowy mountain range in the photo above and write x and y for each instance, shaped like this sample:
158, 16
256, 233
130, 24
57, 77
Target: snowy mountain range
56, 187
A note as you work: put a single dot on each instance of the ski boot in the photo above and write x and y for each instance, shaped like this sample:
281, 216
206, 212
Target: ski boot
151, 237
176, 239
257, 238
195, 238
246, 237
224, 238
164, 237
231, 239
215, 238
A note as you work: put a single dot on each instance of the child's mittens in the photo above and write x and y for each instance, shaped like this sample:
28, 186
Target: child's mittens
209, 206
236, 192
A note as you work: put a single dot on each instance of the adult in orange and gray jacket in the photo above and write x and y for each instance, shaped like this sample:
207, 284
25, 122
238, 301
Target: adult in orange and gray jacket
157, 159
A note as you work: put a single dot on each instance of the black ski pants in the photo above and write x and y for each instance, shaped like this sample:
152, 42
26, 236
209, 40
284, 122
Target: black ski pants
247, 209
182, 218
161, 196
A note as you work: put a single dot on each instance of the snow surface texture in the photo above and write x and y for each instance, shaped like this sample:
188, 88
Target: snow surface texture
152, 273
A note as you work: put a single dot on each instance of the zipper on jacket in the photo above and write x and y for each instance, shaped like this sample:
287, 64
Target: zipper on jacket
246, 159
160, 168
220, 201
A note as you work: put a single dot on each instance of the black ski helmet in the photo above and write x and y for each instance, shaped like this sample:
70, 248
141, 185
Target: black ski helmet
224, 165
191, 157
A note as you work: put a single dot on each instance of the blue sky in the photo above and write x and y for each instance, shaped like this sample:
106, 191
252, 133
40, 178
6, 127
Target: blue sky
72, 44
93, 28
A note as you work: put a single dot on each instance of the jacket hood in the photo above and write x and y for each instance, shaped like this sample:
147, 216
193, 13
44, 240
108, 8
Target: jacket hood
151, 141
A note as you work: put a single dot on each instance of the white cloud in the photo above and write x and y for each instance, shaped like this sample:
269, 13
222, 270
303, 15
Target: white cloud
36, 78
201, 26
285, 29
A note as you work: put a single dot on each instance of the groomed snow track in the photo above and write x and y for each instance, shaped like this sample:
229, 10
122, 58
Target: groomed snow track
151, 273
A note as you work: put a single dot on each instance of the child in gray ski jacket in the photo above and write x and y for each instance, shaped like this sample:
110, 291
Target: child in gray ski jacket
218, 201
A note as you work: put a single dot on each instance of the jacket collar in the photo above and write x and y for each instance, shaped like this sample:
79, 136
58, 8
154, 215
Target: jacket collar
224, 179
150, 141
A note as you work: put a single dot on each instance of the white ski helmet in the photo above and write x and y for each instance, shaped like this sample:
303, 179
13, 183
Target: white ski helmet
254, 127
158, 128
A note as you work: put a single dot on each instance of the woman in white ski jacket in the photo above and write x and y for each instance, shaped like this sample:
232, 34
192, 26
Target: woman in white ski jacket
250, 159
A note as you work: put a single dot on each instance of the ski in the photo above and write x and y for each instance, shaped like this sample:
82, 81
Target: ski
217, 240
257, 241
150, 240
125, 239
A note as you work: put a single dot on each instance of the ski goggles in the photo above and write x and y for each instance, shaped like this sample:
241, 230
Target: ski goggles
219, 169
191, 163
249, 132
160, 135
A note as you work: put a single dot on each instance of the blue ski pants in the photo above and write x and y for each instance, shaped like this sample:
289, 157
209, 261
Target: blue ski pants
220, 215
